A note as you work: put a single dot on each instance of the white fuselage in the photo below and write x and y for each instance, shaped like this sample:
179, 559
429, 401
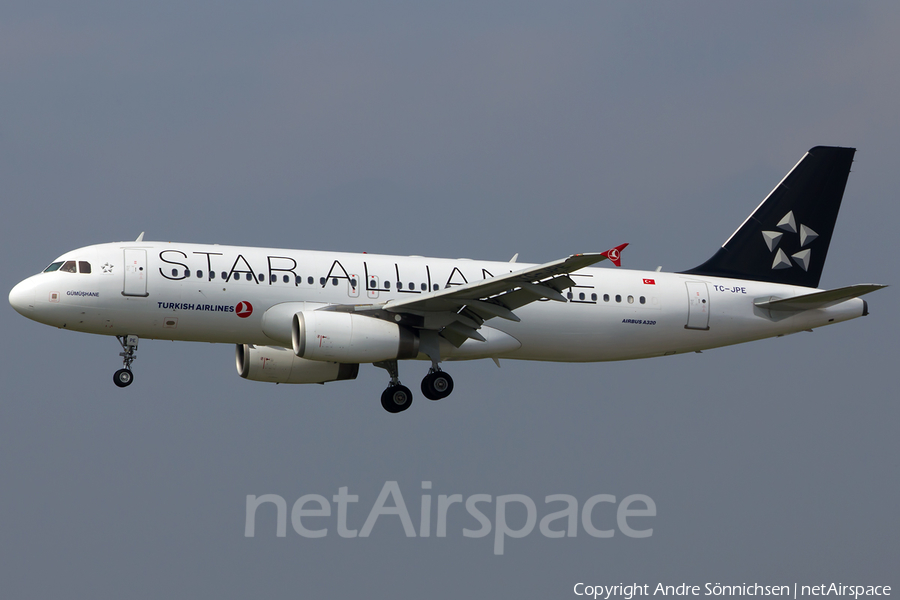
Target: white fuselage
243, 295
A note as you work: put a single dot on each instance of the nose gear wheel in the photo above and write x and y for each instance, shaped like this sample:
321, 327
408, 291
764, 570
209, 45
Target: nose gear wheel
123, 377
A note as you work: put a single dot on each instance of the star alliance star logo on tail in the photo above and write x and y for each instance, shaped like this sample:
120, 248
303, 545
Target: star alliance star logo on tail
788, 224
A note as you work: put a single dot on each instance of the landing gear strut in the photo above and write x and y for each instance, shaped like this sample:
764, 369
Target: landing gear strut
396, 398
123, 377
437, 384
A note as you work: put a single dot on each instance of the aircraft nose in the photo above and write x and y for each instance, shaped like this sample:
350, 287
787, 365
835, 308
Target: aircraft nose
21, 297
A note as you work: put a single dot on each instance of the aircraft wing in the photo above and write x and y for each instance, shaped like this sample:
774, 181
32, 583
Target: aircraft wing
458, 311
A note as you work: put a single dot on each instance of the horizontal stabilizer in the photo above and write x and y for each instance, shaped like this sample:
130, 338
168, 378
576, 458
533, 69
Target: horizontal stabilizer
817, 299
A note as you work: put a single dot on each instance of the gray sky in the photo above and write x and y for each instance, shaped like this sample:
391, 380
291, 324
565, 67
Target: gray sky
464, 130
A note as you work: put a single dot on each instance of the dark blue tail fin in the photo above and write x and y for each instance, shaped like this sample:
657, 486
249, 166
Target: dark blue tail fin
786, 238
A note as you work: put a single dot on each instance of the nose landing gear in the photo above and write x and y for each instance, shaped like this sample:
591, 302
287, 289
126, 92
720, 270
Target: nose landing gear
123, 377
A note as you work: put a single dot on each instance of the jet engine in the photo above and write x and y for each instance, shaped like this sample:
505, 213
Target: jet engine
280, 365
350, 338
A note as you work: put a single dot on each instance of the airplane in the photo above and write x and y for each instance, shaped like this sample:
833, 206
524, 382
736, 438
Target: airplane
300, 316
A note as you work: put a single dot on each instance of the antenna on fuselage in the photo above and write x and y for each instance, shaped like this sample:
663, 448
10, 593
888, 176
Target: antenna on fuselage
140, 238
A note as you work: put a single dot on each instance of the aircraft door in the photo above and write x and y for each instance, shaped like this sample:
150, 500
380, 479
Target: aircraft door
353, 286
135, 272
698, 305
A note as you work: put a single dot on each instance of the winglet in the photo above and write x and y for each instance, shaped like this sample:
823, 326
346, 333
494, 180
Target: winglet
615, 255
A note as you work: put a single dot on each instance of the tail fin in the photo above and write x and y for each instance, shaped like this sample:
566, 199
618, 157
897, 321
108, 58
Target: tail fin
786, 238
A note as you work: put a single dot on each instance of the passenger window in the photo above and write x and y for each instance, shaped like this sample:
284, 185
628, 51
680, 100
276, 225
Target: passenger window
581, 296
436, 287
262, 277
249, 277
187, 273
199, 274
594, 297
412, 286
273, 278
353, 283
618, 298
310, 280
84, 266
643, 300
174, 272
606, 297
424, 287
387, 285
286, 279
298, 280
334, 281
569, 295
630, 299
224, 275
68, 267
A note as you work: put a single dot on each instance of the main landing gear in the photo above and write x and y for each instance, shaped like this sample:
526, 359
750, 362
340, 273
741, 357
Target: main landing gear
437, 384
397, 397
123, 377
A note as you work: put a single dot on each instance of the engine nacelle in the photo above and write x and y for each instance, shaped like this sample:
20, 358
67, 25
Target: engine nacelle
350, 338
280, 365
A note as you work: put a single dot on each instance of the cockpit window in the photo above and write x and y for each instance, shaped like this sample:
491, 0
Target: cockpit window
84, 266
53, 267
68, 267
